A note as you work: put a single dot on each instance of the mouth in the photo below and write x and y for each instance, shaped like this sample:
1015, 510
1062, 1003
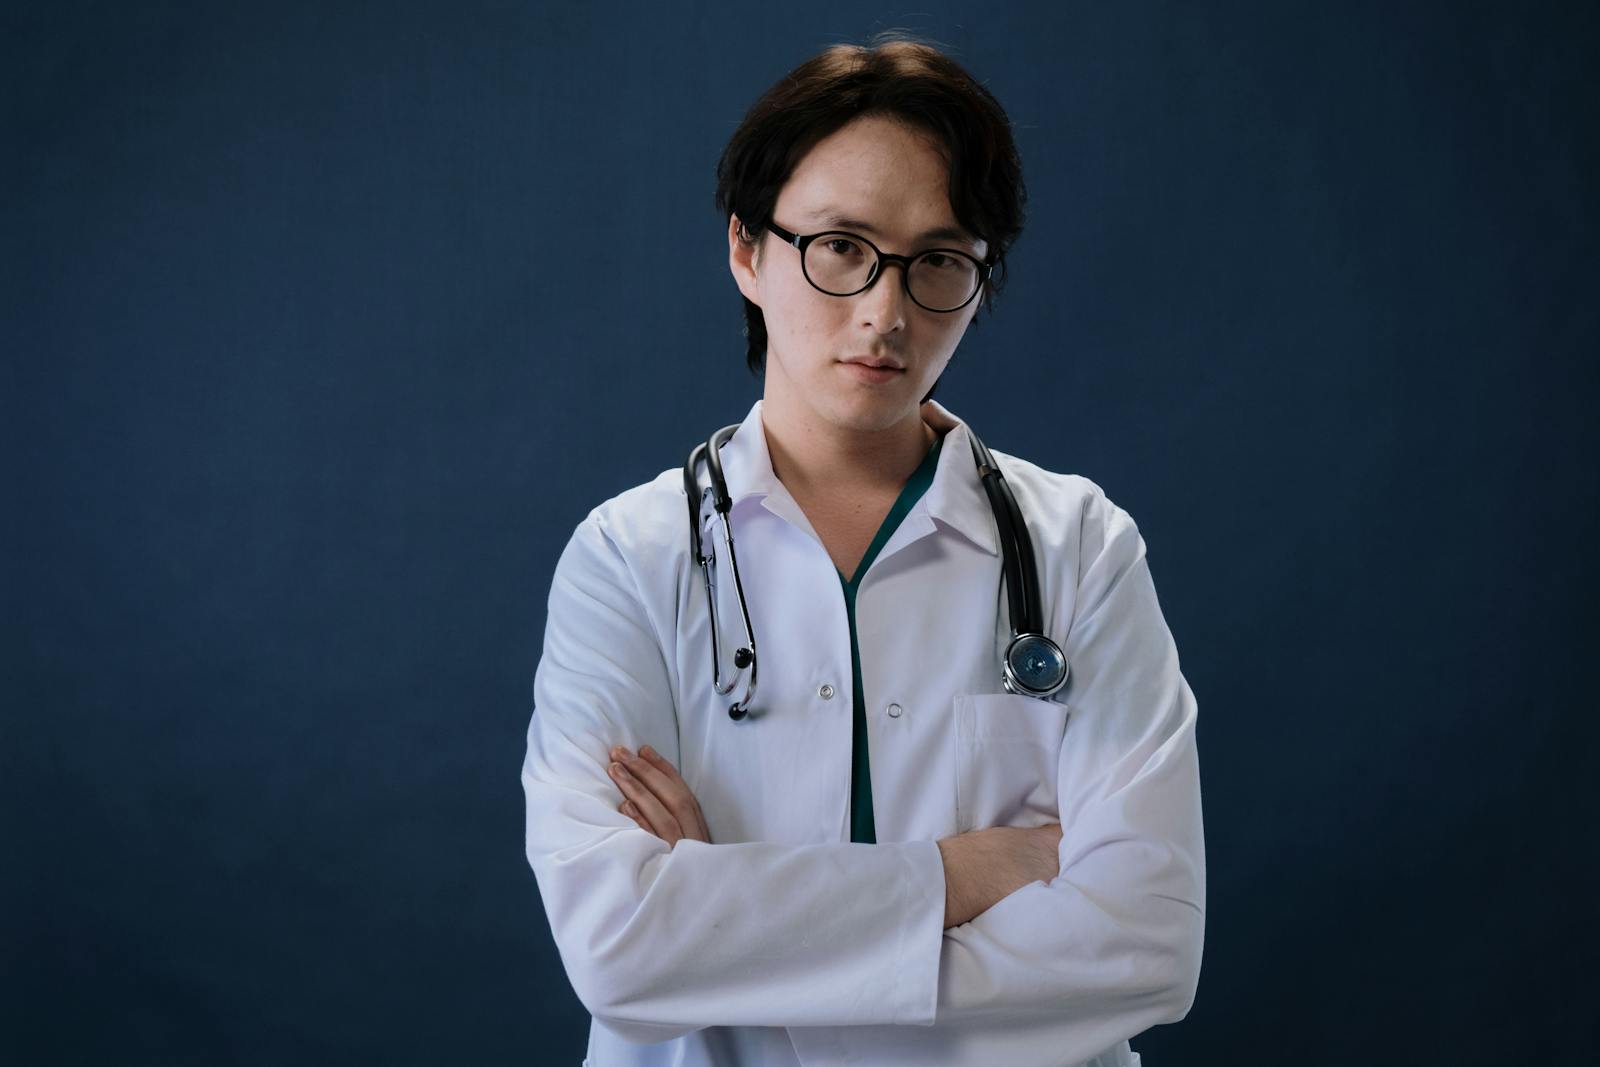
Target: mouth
872, 372
876, 364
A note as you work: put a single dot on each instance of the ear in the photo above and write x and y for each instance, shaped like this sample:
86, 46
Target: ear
742, 261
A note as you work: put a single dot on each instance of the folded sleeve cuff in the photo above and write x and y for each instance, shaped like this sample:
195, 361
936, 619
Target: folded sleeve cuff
922, 901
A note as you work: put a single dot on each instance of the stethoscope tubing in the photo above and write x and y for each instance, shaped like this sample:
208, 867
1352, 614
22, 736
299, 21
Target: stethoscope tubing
1017, 560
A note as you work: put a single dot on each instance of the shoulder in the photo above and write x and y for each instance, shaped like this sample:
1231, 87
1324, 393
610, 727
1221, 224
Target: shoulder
1085, 542
635, 532
651, 516
1067, 511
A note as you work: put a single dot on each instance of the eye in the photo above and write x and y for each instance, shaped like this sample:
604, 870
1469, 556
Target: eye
942, 261
841, 246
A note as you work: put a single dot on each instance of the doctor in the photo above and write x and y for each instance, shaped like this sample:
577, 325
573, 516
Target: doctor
891, 859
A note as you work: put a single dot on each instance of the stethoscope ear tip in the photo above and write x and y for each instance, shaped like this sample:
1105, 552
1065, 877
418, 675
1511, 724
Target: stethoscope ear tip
735, 712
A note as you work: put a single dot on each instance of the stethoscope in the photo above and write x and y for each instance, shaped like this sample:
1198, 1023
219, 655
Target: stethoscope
1033, 664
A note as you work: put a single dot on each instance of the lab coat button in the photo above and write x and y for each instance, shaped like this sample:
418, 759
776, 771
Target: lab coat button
894, 711
825, 691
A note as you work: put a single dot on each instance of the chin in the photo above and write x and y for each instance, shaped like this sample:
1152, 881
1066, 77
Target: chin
869, 412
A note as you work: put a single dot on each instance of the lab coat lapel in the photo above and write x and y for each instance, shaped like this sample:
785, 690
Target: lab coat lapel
747, 468
955, 498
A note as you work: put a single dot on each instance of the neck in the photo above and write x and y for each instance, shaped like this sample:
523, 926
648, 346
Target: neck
810, 455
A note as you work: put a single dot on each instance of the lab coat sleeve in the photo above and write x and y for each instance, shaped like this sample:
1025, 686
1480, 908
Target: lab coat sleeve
1112, 945
659, 941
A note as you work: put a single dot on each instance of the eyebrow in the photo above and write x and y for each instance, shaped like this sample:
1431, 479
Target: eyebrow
832, 217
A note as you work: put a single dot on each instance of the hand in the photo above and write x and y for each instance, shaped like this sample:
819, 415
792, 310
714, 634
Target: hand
657, 797
983, 867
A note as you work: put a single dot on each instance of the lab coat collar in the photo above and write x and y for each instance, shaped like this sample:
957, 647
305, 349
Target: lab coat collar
955, 498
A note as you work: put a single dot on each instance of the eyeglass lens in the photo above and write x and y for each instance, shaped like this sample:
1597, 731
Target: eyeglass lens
842, 264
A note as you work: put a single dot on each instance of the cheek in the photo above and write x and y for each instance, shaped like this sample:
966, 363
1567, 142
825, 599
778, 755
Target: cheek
802, 313
952, 332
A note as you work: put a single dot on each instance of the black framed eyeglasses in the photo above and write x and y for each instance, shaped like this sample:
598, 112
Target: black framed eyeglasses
841, 263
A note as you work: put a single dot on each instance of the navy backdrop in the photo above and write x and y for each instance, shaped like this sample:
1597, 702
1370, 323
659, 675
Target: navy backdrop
325, 324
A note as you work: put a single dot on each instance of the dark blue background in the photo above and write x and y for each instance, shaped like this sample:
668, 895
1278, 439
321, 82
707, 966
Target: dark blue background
325, 324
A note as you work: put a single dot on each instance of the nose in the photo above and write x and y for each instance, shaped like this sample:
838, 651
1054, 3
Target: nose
883, 305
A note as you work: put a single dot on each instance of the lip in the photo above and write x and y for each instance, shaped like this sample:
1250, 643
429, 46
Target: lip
865, 372
869, 361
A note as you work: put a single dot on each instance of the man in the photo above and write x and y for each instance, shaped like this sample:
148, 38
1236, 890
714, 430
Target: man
943, 872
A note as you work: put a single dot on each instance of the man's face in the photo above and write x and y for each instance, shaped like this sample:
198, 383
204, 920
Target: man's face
887, 182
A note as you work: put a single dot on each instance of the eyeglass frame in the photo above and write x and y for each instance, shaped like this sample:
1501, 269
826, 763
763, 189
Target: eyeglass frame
802, 242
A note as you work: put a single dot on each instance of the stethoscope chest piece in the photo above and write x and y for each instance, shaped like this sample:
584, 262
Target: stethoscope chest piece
1034, 666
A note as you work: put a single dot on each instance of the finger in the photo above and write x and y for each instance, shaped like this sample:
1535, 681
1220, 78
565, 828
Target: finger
685, 804
663, 823
633, 813
662, 764
633, 794
668, 788
657, 773
617, 755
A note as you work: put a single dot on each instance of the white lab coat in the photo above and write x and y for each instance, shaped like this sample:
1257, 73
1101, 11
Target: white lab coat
783, 942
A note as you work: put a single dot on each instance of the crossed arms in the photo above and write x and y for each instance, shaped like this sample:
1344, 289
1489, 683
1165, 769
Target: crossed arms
981, 867
663, 937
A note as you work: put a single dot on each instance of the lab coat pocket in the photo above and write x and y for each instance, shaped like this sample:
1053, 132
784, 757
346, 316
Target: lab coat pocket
1008, 748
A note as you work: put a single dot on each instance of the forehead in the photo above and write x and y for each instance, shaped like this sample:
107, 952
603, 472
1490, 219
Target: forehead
877, 175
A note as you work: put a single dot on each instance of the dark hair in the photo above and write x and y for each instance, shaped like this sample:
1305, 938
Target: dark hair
896, 76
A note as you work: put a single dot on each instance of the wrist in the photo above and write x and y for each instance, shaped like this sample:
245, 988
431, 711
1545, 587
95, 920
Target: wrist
950, 851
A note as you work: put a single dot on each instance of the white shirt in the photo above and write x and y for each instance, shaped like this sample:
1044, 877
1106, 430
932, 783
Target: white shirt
783, 942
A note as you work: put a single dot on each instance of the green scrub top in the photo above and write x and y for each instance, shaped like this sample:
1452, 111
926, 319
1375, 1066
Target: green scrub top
862, 827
